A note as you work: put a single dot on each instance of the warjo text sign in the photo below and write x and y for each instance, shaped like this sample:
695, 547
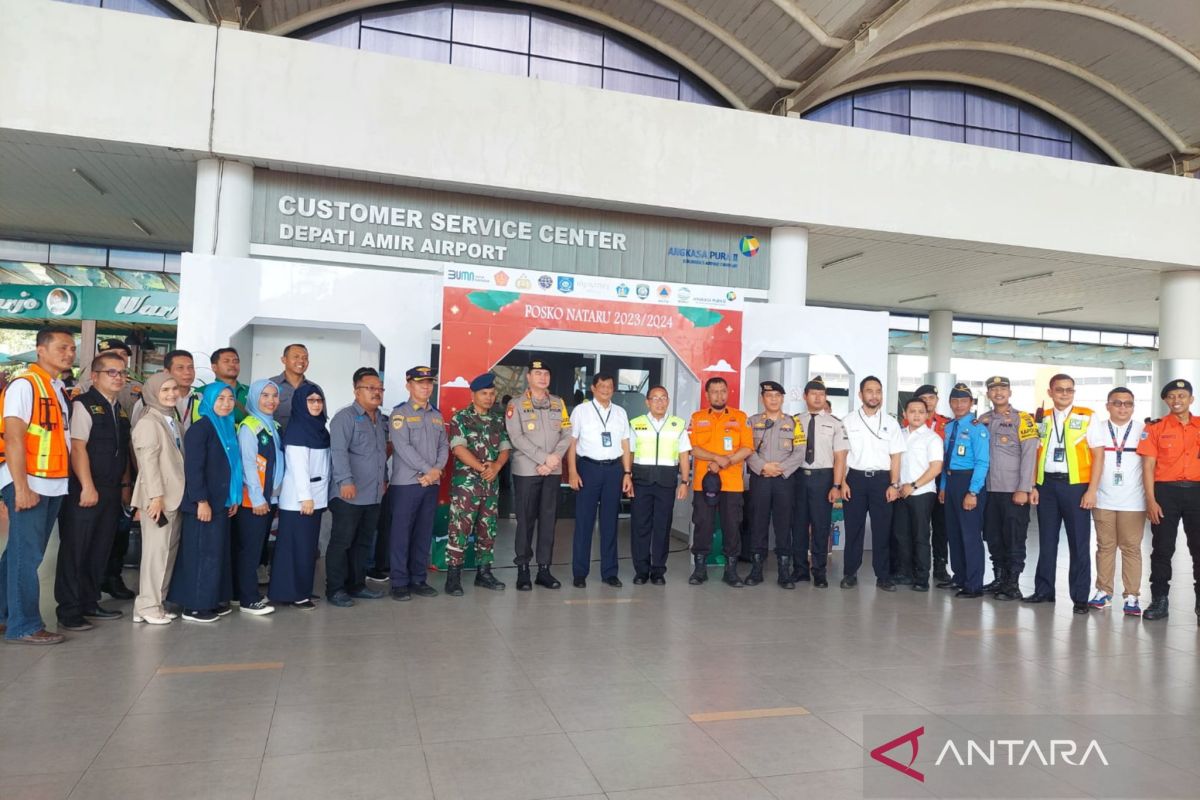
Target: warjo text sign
32, 302
366, 218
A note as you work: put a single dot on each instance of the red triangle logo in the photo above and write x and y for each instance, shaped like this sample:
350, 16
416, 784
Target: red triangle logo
912, 738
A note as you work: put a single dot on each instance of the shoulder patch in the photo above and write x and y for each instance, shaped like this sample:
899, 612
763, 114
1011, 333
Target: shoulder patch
397, 423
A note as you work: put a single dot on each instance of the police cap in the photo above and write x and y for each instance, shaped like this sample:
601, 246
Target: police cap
420, 374
961, 390
998, 380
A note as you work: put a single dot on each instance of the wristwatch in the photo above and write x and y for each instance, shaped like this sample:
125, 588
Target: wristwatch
973, 494
837, 486
914, 485
896, 486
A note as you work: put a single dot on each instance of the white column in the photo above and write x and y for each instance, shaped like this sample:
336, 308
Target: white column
1120, 377
941, 345
789, 265
892, 392
1178, 333
224, 198
795, 376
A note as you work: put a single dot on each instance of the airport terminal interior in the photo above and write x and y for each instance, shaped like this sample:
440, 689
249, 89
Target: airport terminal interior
909, 197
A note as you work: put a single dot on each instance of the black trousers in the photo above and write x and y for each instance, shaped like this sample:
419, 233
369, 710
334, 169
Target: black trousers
940, 545
382, 538
120, 546
1179, 503
812, 508
248, 533
1005, 526
910, 528
771, 502
704, 523
349, 545
537, 505
86, 536
650, 527
868, 495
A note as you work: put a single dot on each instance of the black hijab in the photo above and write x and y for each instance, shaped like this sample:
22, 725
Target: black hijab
305, 430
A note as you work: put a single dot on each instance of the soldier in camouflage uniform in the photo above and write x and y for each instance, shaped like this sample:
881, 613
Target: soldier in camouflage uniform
479, 442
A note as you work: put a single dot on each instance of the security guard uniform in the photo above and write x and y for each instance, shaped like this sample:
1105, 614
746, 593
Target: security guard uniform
967, 457
419, 444
87, 533
1014, 437
818, 437
771, 498
1064, 468
1175, 448
536, 427
657, 472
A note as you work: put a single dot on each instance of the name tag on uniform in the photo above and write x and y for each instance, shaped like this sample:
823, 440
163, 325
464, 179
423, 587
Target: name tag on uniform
606, 439
1075, 424
962, 450
1117, 479
1060, 455
729, 443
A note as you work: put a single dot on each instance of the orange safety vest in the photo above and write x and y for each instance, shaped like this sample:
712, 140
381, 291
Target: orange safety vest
46, 453
1078, 454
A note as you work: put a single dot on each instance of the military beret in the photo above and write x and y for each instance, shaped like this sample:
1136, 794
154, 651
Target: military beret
485, 381
925, 389
420, 374
961, 390
113, 344
1178, 383
710, 484
538, 363
770, 386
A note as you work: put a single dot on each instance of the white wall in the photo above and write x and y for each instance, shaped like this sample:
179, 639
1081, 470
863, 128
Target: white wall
130, 78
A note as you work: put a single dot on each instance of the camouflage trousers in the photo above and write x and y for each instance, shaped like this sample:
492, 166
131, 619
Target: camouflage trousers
472, 510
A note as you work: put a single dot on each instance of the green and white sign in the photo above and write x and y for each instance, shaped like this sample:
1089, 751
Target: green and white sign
311, 212
26, 302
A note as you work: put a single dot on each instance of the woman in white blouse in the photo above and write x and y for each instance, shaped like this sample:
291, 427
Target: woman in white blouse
302, 499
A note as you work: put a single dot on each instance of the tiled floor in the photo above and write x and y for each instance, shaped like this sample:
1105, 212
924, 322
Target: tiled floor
524, 695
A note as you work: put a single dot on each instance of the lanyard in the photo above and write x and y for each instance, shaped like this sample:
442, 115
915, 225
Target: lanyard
1059, 433
878, 428
604, 419
1121, 448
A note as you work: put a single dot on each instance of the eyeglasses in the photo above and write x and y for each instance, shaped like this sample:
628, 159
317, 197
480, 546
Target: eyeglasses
113, 373
314, 401
371, 389
1064, 390
1121, 403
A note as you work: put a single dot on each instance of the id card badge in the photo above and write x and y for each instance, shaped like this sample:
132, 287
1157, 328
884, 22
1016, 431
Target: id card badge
1060, 455
729, 443
606, 439
962, 450
1117, 478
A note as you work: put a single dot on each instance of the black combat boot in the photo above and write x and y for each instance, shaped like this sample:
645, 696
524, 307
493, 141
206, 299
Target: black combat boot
731, 577
700, 573
524, 584
756, 571
997, 582
939, 571
486, 580
785, 572
545, 579
1159, 608
454, 582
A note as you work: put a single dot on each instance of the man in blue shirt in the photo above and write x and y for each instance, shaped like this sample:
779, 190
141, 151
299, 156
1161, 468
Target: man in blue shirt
962, 483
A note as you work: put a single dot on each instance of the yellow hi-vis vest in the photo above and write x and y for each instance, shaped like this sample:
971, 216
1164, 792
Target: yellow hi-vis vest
656, 453
1074, 432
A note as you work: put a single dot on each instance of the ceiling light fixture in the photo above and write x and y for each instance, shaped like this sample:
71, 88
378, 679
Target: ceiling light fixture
140, 227
83, 176
1060, 310
842, 260
915, 299
1024, 278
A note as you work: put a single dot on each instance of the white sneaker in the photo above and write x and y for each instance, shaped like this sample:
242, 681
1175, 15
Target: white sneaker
259, 608
152, 619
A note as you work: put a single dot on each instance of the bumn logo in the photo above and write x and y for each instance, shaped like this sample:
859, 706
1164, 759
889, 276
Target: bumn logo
912, 738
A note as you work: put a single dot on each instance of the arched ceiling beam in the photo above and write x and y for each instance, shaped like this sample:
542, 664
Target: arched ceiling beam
1074, 70
984, 83
790, 8
189, 11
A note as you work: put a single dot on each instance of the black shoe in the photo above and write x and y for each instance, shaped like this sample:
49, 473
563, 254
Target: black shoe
947, 584
401, 593
885, 585
484, 579
784, 565
700, 572
423, 590
820, 581
453, 585
939, 571
756, 571
1159, 608
920, 586
102, 613
614, 582
1080, 608
116, 589
966, 595
523, 582
223, 610
76, 625
580, 583
849, 582
658, 580
545, 579
1037, 598
994, 586
902, 580
1009, 591
801, 577
640, 580
731, 577
378, 575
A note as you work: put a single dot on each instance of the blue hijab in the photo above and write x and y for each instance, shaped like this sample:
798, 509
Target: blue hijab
227, 435
303, 429
256, 390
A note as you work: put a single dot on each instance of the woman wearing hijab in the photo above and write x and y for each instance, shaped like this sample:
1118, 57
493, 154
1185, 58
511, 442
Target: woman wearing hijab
302, 498
212, 465
158, 445
262, 475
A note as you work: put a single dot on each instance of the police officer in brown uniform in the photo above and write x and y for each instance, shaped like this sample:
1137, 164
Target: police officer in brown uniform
821, 441
540, 431
772, 464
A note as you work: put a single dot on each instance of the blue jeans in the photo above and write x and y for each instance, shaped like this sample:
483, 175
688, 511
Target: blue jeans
28, 534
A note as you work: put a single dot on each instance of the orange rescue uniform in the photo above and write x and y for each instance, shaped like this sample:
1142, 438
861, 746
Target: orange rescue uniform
724, 432
1175, 448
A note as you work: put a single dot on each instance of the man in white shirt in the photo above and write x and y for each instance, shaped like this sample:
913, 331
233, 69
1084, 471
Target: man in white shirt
920, 464
600, 468
1118, 500
33, 480
872, 483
